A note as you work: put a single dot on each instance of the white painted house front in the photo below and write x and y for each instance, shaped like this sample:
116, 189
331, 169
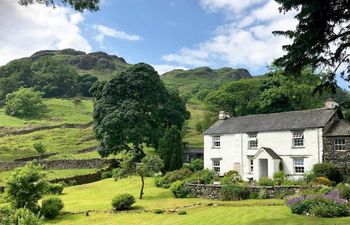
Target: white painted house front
259, 145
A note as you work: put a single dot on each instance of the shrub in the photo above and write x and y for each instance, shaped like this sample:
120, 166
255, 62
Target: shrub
158, 211
181, 212
329, 209
327, 170
231, 176
51, 207
6, 215
175, 175
230, 192
123, 201
159, 181
26, 217
279, 177
202, 177
265, 181
106, 174
323, 181
56, 189
309, 177
253, 195
344, 190
262, 194
196, 165
180, 189
325, 190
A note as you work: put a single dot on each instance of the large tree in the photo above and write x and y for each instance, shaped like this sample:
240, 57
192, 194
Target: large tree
134, 108
78, 5
321, 38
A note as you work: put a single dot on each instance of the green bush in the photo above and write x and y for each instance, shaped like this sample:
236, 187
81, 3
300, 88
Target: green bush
173, 176
196, 165
205, 176
26, 217
309, 177
320, 207
253, 195
344, 190
51, 207
323, 181
106, 174
123, 201
6, 215
182, 212
56, 188
265, 181
262, 194
180, 189
231, 177
229, 192
327, 170
158, 211
279, 177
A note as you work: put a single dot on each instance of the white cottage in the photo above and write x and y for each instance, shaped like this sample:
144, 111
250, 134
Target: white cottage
259, 145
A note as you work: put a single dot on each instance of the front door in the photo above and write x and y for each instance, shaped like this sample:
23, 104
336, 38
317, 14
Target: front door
263, 168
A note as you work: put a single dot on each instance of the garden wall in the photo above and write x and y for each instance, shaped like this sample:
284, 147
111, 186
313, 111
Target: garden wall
212, 191
61, 164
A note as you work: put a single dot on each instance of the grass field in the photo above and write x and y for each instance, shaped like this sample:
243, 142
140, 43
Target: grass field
97, 196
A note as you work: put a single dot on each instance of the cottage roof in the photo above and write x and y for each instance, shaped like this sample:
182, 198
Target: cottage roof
340, 128
269, 151
292, 120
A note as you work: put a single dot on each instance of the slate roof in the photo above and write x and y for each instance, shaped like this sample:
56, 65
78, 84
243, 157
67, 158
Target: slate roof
340, 128
193, 151
269, 151
292, 120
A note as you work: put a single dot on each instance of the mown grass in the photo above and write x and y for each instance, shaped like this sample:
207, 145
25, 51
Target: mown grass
63, 141
52, 174
58, 111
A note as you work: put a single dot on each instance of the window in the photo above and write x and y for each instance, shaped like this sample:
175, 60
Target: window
216, 166
216, 141
298, 165
298, 139
251, 168
339, 144
252, 141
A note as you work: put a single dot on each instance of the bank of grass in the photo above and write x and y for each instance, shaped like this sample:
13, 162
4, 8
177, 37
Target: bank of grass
58, 111
63, 141
193, 137
52, 174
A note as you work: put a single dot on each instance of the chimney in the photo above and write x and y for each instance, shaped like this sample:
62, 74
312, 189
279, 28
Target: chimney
224, 115
330, 104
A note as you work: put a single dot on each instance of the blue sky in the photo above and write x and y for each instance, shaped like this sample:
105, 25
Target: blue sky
167, 34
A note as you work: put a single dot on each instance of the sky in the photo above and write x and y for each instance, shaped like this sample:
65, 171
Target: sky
167, 34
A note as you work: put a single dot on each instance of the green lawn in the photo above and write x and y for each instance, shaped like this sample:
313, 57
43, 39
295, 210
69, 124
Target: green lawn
58, 111
97, 196
52, 174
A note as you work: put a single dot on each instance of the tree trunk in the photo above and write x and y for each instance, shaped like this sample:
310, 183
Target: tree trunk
142, 186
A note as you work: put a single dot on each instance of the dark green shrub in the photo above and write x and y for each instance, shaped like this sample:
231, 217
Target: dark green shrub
265, 181
56, 188
123, 201
106, 174
202, 177
229, 192
26, 217
344, 190
329, 209
175, 175
262, 194
158, 211
327, 170
309, 177
181, 212
51, 207
180, 189
159, 181
279, 177
253, 195
196, 165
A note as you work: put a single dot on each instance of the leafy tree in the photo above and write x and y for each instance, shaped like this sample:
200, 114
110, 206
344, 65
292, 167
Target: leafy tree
78, 5
170, 149
321, 38
133, 109
85, 83
25, 186
148, 166
24, 102
40, 148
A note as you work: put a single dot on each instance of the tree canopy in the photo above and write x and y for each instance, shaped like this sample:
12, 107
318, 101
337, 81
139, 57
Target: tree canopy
78, 5
134, 108
321, 38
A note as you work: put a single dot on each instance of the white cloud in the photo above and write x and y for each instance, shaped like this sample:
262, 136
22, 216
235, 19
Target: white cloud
245, 41
25, 30
110, 32
161, 69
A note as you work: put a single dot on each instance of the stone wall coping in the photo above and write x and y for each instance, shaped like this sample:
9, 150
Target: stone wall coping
250, 186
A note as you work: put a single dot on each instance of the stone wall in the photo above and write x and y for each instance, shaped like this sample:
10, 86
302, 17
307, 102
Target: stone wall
61, 164
339, 158
37, 157
213, 191
79, 179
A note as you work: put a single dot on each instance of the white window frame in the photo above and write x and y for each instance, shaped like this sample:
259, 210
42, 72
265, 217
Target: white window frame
216, 141
298, 165
339, 144
216, 165
252, 140
298, 139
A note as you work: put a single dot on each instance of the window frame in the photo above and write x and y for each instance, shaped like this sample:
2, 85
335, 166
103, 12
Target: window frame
299, 168
252, 138
337, 145
216, 139
251, 165
298, 136
217, 167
